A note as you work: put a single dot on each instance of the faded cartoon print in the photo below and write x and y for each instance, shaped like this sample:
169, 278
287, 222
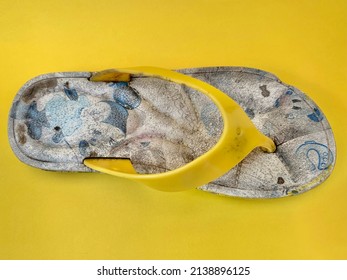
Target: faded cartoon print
70, 111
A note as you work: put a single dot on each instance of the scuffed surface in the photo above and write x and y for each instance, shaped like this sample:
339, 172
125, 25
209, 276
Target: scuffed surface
59, 119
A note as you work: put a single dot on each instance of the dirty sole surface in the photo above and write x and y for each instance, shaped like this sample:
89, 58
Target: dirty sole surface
57, 120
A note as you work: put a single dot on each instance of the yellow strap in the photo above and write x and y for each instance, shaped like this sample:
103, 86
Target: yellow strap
238, 139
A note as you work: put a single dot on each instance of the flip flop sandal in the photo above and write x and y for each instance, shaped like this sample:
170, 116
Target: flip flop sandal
226, 130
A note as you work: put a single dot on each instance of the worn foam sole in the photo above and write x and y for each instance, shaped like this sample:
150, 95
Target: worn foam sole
57, 120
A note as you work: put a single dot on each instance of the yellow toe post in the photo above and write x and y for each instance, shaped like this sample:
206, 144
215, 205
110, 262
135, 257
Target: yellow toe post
238, 139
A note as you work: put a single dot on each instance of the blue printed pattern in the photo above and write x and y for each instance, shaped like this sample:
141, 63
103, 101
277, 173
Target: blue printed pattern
63, 114
316, 116
83, 147
279, 101
318, 155
118, 116
71, 93
125, 98
35, 121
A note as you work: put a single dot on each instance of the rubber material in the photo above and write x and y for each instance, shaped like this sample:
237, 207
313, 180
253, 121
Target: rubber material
238, 139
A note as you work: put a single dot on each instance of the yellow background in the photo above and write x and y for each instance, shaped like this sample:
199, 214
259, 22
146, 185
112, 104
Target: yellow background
50, 215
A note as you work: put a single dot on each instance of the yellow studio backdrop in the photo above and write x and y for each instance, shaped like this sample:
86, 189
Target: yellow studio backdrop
51, 215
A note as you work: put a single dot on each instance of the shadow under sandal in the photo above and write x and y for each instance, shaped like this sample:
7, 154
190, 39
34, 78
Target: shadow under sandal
226, 130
